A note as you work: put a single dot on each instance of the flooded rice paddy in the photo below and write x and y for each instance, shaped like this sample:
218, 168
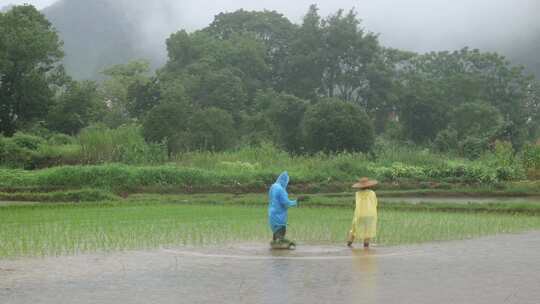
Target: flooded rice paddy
240, 268
497, 269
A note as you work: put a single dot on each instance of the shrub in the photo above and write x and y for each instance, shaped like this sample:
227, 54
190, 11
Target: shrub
531, 160
473, 147
54, 155
334, 126
130, 147
60, 139
32, 152
13, 155
126, 144
393, 131
504, 153
446, 140
27, 141
97, 144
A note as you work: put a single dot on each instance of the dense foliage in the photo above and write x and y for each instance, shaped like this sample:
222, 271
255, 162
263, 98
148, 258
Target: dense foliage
325, 85
29, 53
253, 168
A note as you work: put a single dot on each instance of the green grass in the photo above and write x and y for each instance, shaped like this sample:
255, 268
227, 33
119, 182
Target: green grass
84, 195
254, 169
228, 177
342, 200
70, 229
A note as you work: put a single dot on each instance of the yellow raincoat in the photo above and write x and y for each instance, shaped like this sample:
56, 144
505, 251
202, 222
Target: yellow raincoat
364, 223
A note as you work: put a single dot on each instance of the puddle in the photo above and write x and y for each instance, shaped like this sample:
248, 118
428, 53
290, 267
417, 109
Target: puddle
499, 269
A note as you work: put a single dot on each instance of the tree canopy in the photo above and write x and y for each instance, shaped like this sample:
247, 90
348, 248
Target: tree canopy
30, 51
326, 84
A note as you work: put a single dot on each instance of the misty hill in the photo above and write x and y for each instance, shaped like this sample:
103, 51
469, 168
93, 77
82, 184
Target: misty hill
527, 54
100, 33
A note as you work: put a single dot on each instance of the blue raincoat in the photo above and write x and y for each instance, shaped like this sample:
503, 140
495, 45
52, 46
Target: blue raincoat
279, 202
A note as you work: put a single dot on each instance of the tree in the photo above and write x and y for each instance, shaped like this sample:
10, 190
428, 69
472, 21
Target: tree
336, 57
77, 107
30, 51
336, 126
128, 89
271, 28
142, 96
381, 98
446, 80
202, 52
472, 127
423, 113
211, 129
286, 113
221, 89
304, 65
168, 122
348, 53
477, 119
533, 108
256, 129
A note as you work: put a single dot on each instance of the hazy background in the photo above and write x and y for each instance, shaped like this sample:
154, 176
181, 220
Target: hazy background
510, 27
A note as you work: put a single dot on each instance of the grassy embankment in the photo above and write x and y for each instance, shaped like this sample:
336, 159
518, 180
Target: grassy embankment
71, 229
178, 178
253, 169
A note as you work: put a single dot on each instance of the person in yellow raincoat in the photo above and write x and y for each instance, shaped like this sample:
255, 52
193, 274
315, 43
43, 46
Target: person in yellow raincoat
364, 223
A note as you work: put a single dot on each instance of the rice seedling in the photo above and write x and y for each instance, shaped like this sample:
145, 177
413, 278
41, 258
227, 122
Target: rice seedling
71, 229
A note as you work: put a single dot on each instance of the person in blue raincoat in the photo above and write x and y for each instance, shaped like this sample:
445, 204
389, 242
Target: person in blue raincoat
277, 209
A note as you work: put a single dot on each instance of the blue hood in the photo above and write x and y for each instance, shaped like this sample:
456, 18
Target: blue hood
283, 179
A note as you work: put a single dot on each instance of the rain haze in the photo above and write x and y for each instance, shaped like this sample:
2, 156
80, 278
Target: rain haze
417, 25
150, 151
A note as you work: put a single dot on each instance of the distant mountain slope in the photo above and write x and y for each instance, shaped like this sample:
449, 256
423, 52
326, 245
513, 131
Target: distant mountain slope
100, 33
527, 54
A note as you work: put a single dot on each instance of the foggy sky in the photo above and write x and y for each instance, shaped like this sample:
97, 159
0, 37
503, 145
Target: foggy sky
417, 25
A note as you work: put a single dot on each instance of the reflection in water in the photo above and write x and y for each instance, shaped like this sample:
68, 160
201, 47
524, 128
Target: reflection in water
345, 281
277, 282
365, 266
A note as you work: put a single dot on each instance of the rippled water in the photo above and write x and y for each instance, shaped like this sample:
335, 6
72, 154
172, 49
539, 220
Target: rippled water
501, 269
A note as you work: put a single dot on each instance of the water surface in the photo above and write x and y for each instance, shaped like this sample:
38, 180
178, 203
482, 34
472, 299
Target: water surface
499, 269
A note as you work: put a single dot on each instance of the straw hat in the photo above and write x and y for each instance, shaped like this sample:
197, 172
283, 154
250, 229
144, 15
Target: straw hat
365, 182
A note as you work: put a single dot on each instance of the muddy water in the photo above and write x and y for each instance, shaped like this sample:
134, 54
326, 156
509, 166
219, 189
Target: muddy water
501, 269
